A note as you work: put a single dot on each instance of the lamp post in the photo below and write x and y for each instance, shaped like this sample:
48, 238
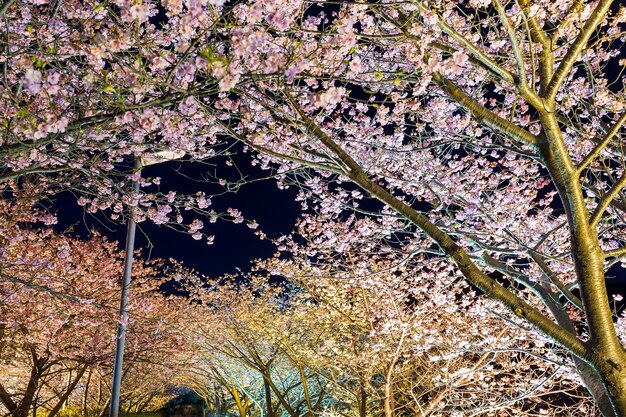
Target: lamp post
149, 159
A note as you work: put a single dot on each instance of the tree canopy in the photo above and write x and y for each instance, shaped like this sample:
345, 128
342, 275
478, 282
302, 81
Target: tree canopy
481, 139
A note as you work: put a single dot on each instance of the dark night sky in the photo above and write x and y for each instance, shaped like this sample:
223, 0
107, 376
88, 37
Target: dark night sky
235, 244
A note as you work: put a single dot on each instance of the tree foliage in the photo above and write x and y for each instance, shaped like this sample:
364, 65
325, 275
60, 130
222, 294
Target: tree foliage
59, 301
480, 136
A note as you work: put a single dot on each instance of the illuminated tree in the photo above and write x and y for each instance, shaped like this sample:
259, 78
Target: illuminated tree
487, 133
370, 348
238, 346
59, 314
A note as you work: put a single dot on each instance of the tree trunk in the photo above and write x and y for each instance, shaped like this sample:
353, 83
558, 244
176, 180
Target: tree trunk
68, 390
6, 399
241, 406
389, 399
86, 394
38, 368
604, 349
268, 397
362, 400
615, 382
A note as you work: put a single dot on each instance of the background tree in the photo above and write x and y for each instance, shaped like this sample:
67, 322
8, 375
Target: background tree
392, 339
59, 298
238, 344
371, 347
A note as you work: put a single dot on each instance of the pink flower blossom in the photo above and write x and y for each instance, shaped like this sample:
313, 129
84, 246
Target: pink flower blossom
430, 18
330, 97
228, 82
32, 81
188, 106
196, 225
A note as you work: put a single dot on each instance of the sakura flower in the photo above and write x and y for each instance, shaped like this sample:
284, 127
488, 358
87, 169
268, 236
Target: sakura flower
279, 20
203, 202
158, 63
236, 214
32, 81
456, 64
228, 82
356, 66
291, 72
140, 12
188, 106
196, 225
174, 7
330, 97
430, 18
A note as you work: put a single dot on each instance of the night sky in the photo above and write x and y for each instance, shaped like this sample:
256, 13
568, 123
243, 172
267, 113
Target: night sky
235, 245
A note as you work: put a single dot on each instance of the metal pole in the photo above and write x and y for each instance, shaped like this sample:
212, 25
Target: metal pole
121, 328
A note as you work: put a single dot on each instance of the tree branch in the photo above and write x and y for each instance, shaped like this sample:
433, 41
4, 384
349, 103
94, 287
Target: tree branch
5, 6
606, 199
6, 399
484, 115
553, 279
519, 59
615, 253
576, 48
546, 58
471, 272
477, 53
600, 146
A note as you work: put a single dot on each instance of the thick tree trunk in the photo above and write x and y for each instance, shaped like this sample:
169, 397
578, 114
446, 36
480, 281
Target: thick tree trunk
615, 381
604, 349
38, 368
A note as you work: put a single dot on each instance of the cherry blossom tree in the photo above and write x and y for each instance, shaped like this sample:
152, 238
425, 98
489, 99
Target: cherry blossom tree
398, 346
89, 87
238, 349
370, 347
59, 297
489, 132
485, 133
